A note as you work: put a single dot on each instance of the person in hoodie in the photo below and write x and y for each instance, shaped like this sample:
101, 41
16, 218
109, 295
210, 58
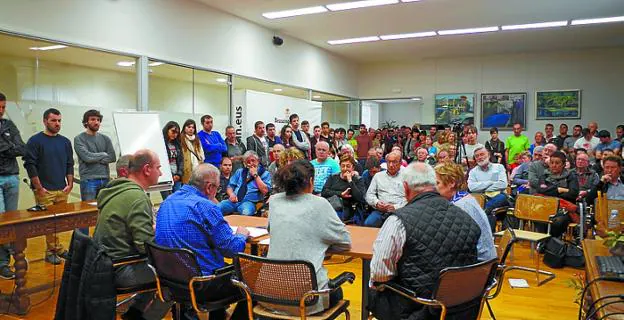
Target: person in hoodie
125, 223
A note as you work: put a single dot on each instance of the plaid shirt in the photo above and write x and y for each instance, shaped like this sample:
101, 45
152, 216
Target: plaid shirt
187, 219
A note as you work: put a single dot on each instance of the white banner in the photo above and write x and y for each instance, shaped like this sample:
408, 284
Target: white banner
251, 106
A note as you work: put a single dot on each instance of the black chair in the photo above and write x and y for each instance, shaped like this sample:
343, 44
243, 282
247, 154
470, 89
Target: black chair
178, 272
503, 250
133, 291
458, 290
285, 283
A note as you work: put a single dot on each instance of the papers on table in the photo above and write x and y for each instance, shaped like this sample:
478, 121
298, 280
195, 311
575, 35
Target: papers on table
518, 283
92, 203
265, 242
253, 231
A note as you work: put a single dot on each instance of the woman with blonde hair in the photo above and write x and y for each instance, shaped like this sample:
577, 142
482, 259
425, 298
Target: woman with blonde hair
289, 156
452, 185
192, 150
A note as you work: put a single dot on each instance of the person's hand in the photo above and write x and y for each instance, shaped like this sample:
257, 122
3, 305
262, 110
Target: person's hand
243, 231
543, 186
68, 188
176, 178
390, 208
346, 194
349, 176
606, 178
41, 192
562, 190
582, 194
233, 198
253, 171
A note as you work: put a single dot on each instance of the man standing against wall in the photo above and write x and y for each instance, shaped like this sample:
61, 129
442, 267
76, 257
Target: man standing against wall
305, 127
259, 143
299, 137
95, 151
50, 166
549, 128
11, 147
364, 143
212, 142
271, 137
516, 144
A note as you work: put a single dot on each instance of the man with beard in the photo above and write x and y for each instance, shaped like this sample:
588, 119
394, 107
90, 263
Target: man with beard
50, 167
95, 151
491, 180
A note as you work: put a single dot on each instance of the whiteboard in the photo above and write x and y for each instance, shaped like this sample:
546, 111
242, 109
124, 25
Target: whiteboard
141, 130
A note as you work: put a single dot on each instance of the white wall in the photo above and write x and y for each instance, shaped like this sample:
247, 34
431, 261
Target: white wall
404, 113
597, 72
182, 31
370, 114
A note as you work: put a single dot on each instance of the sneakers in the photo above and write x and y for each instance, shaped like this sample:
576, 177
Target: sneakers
52, 258
7, 273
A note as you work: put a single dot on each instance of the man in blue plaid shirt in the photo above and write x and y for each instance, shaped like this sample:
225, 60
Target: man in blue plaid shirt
190, 219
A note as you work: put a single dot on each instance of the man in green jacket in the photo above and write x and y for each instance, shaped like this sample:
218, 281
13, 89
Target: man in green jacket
125, 223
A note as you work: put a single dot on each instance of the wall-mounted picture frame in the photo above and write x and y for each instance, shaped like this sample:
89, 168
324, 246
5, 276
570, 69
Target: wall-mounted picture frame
558, 104
454, 107
502, 110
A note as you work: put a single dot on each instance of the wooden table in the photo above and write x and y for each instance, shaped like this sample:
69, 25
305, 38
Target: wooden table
245, 221
591, 249
17, 226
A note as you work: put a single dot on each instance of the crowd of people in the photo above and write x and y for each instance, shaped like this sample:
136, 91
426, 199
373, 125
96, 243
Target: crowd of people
414, 184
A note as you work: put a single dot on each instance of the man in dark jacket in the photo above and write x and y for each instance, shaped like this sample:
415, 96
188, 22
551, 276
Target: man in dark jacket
347, 186
125, 223
414, 244
11, 147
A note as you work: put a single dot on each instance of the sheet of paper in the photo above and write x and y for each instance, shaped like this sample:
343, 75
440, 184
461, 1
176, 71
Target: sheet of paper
253, 231
92, 203
265, 242
518, 283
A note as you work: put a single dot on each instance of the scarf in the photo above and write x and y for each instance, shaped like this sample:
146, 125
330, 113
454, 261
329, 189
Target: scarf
198, 156
459, 195
242, 191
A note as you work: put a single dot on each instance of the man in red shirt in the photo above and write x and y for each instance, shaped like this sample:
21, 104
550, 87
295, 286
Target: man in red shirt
364, 143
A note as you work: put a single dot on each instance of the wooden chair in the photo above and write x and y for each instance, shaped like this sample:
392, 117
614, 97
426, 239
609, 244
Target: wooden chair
503, 249
603, 208
533, 209
456, 286
285, 283
482, 200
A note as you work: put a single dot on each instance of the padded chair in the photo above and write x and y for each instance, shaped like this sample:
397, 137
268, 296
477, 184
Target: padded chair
135, 290
285, 283
177, 270
456, 286
532, 209
503, 249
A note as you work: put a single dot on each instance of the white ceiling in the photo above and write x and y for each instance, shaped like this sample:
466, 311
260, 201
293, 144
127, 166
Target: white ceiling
432, 15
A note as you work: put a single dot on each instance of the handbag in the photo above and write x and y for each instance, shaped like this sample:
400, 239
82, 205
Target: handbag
335, 202
574, 256
554, 253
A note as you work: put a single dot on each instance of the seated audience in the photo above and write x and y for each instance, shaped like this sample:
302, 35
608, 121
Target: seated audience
385, 193
277, 151
539, 141
235, 148
587, 178
346, 188
125, 222
588, 142
122, 166
304, 227
324, 166
451, 184
416, 243
611, 182
491, 180
598, 165
347, 150
225, 176
607, 143
538, 167
247, 187
373, 166
190, 219
443, 156
520, 174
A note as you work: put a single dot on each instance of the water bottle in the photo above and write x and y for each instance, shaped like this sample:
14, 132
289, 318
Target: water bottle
614, 220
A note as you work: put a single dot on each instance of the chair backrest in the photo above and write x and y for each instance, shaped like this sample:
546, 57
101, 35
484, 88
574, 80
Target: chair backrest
480, 199
535, 208
459, 285
276, 281
175, 267
505, 245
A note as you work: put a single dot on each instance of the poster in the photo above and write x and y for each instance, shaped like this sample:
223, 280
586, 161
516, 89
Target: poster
502, 110
454, 107
558, 104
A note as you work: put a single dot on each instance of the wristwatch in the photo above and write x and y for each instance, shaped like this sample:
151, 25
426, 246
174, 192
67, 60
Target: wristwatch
255, 176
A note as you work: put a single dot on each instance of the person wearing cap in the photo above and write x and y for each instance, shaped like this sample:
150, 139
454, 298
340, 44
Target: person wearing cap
587, 142
607, 143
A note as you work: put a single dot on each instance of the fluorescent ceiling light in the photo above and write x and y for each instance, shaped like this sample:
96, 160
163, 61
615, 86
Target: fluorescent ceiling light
222, 80
408, 35
410, 0
126, 63
55, 47
416, 99
155, 64
353, 40
597, 20
316, 97
278, 89
359, 4
294, 12
467, 31
553, 24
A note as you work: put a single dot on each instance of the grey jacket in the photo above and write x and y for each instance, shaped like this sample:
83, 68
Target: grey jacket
11, 147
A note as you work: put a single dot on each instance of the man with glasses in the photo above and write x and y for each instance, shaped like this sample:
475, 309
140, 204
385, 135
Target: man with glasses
324, 166
516, 144
587, 178
386, 193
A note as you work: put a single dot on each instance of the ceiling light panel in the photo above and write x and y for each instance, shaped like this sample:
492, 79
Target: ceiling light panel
406, 1
353, 40
540, 25
597, 20
467, 31
294, 12
408, 35
55, 47
359, 4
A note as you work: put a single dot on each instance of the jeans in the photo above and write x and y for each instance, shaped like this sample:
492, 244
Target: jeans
500, 200
9, 196
89, 190
176, 186
246, 208
48, 199
374, 219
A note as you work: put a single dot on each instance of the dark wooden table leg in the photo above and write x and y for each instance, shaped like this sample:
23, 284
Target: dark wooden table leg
253, 249
365, 281
20, 300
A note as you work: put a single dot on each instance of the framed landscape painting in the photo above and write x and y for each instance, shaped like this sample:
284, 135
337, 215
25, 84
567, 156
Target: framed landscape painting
502, 110
454, 107
558, 104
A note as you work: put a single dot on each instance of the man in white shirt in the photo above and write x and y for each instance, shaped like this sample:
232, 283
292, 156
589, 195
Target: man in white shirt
385, 193
588, 142
300, 138
489, 179
259, 143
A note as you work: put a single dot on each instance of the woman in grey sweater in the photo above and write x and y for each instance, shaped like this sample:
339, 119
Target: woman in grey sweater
303, 227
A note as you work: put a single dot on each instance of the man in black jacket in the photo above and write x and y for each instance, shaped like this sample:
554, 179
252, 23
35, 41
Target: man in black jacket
259, 143
11, 147
416, 242
347, 186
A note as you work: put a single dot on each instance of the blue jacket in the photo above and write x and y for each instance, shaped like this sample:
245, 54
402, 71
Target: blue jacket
213, 145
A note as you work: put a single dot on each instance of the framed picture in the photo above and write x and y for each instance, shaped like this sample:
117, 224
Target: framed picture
454, 107
558, 104
502, 110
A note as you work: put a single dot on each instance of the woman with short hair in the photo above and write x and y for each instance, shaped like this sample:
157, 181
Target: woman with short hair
345, 188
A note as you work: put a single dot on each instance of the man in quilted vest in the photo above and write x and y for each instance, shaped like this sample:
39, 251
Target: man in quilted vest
417, 242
